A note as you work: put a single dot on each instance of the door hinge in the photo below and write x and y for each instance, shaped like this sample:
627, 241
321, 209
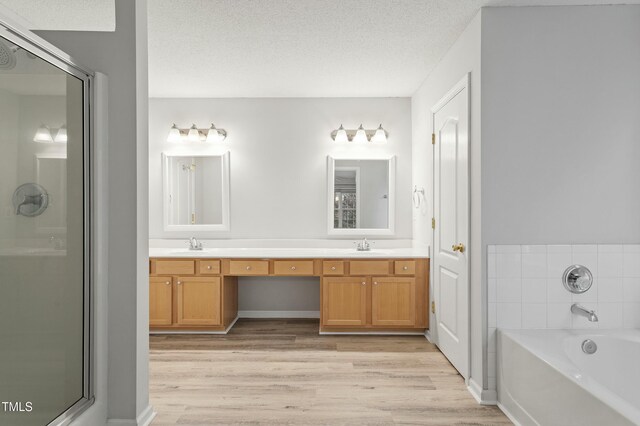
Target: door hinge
433, 223
433, 307
433, 138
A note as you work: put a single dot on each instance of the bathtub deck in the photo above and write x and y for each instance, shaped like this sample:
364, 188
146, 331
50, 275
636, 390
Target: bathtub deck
273, 372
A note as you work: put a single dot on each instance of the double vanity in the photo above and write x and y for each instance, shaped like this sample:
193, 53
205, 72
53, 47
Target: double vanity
372, 291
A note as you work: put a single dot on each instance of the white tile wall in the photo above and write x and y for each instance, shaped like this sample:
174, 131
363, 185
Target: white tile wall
526, 291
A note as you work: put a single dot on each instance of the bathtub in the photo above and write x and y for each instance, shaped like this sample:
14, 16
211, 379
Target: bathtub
545, 378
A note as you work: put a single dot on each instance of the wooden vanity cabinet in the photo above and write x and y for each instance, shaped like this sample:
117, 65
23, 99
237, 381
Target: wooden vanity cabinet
198, 301
344, 301
356, 295
160, 301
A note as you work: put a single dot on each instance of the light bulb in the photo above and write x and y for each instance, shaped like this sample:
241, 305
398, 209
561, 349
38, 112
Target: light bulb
194, 134
61, 136
174, 135
380, 136
43, 134
214, 135
341, 135
361, 135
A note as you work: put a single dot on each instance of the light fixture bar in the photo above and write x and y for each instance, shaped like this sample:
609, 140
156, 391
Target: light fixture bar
373, 135
177, 134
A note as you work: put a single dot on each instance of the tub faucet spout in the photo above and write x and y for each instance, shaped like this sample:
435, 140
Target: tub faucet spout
588, 314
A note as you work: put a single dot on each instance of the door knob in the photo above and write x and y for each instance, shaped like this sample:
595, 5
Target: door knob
458, 247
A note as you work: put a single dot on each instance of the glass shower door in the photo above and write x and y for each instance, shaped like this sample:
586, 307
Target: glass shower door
44, 236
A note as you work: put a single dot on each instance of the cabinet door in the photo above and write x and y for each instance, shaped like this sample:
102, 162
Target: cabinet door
199, 300
393, 301
160, 300
344, 301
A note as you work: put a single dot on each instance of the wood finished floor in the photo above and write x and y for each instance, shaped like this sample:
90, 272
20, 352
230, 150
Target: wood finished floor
281, 372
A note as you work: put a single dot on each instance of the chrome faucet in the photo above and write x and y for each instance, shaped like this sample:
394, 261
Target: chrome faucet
363, 245
194, 244
579, 310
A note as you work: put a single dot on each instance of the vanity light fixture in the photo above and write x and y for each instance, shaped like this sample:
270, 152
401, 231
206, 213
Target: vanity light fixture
194, 134
174, 134
44, 134
360, 135
61, 136
216, 135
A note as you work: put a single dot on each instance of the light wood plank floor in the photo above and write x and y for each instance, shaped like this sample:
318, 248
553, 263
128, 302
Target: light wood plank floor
281, 372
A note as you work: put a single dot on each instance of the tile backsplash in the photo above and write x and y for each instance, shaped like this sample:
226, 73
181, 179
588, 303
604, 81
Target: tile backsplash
525, 288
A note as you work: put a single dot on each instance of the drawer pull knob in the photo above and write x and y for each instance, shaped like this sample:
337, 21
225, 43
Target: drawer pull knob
364, 283
375, 283
168, 282
404, 268
293, 268
209, 267
179, 282
248, 268
333, 268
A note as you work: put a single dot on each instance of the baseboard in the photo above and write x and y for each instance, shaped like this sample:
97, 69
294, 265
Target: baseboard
225, 331
427, 334
144, 419
372, 333
482, 396
279, 314
509, 415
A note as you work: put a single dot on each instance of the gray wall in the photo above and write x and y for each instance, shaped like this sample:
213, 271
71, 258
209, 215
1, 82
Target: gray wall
278, 155
561, 125
116, 55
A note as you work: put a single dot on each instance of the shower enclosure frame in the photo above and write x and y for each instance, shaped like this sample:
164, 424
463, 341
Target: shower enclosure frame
33, 44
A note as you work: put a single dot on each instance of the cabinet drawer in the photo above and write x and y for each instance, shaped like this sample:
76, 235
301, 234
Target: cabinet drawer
175, 267
209, 267
405, 267
333, 267
369, 267
249, 267
293, 267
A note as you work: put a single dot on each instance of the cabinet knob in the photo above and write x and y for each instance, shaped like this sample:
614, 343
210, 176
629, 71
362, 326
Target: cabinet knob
404, 268
375, 283
179, 282
209, 267
248, 268
333, 268
293, 268
168, 282
364, 283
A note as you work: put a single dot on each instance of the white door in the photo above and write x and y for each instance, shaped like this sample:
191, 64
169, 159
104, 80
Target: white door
451, 231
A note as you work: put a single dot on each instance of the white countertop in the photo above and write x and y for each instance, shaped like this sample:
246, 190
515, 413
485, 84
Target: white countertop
290, 253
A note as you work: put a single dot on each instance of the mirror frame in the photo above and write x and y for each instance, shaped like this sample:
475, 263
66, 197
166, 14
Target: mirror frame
189, 230
331, 168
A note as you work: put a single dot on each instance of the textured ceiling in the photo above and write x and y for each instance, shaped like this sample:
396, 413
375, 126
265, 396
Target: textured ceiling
75, 15
304, 48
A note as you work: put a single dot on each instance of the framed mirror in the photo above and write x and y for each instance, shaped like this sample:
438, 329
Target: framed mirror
196, 192
361, 196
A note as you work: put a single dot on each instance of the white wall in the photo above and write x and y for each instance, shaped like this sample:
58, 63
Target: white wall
278, 154
462, 58
123, 60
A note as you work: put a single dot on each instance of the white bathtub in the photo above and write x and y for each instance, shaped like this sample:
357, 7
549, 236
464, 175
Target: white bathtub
544, 377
